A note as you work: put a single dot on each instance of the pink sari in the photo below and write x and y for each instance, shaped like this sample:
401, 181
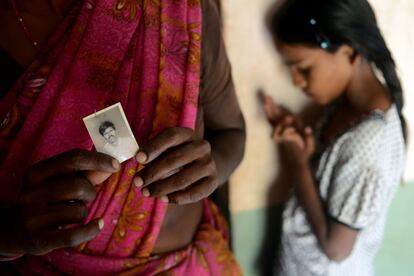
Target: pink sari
146, 55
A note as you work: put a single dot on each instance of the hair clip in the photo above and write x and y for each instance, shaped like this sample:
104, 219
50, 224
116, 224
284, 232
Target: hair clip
321, 38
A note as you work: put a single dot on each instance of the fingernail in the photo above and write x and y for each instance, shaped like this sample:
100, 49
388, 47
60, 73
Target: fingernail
138, 181
165, 199
146, 192
141, 157
308, 130
115, 164
101, 224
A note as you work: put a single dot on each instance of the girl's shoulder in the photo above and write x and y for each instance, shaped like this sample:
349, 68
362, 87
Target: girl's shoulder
376, 126
377, 132
370, 128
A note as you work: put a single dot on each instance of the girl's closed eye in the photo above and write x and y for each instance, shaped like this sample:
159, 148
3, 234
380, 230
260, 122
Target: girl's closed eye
305, 71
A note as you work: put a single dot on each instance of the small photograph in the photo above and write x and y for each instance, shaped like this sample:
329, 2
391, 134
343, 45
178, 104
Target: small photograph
111, 133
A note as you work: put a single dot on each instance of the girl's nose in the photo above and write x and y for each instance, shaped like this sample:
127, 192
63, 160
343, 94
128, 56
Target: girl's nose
298, 79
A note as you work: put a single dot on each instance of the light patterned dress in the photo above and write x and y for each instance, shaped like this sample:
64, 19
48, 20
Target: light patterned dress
357, 176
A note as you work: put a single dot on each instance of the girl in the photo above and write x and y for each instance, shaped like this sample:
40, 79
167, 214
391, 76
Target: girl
346, 171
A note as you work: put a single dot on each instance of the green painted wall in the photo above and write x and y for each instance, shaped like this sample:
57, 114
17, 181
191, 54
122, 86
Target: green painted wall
397, 254
255, 237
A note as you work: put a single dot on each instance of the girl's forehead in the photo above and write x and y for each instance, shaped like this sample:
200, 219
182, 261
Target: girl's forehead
296, 53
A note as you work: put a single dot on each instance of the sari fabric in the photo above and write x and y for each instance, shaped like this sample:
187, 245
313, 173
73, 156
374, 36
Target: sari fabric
146, 55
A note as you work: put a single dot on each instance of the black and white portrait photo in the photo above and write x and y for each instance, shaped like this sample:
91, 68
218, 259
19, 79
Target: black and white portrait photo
111, 133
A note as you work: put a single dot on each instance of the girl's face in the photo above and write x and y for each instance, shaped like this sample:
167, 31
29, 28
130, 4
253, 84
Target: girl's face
322, 75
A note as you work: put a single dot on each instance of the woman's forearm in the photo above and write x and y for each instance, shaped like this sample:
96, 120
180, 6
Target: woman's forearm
227, 147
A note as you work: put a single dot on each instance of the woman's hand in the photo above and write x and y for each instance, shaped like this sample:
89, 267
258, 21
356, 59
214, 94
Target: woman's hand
298, 147
54, 195
179, 167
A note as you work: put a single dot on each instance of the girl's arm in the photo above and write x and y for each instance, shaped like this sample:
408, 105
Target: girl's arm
336, 240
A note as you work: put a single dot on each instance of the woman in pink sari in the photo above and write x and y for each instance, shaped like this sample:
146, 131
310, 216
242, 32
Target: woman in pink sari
66, 209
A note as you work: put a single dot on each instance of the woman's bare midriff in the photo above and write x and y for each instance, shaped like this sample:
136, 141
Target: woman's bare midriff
179, 227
